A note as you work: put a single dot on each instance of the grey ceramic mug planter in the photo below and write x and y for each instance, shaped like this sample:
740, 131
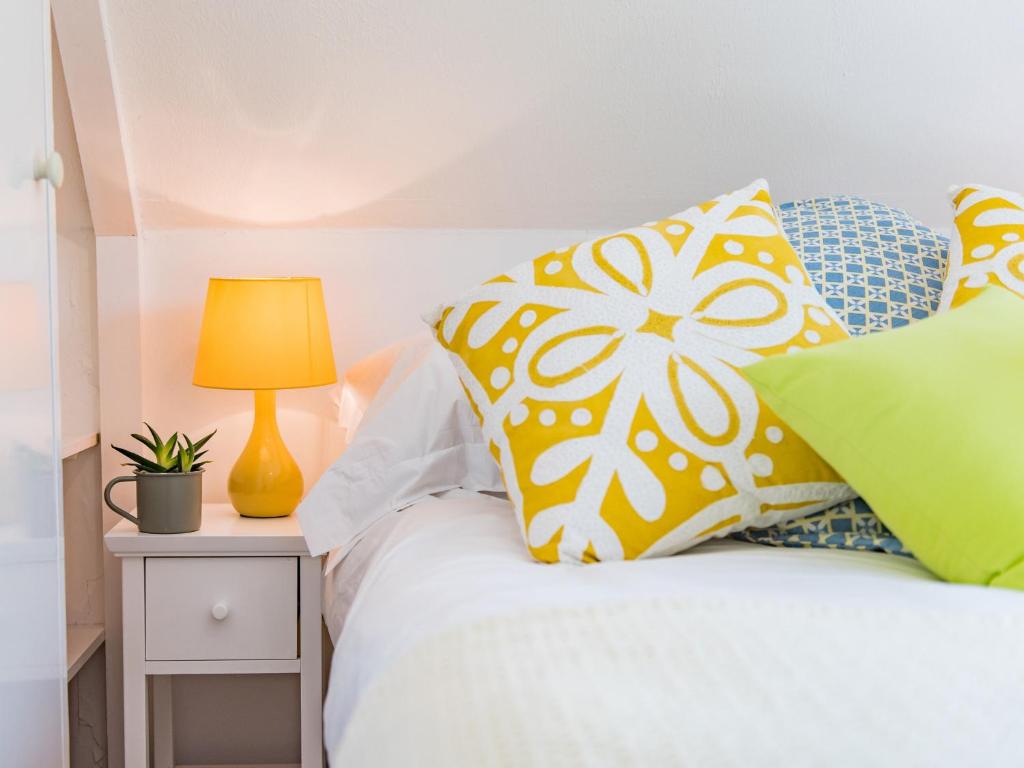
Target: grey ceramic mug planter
170, 502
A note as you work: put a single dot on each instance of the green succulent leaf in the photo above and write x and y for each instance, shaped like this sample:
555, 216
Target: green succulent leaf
156, 438
204, 440
166, 456
163, 451
145, 441
145, 464
186, 455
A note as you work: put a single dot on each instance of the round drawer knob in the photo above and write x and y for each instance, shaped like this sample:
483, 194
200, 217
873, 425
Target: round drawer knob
220, 611
50, 168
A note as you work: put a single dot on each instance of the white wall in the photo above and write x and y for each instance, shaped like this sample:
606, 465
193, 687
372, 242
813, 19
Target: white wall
526, 113
76, 278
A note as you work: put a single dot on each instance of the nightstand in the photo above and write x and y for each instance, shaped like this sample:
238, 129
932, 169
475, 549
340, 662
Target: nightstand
238, 596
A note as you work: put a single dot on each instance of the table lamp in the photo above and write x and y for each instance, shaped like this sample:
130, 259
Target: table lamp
264, 334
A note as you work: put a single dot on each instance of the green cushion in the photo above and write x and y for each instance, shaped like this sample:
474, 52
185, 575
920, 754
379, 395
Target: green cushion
926, 423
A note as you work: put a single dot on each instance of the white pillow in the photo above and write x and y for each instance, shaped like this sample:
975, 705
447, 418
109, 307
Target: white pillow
417, 436
359, 386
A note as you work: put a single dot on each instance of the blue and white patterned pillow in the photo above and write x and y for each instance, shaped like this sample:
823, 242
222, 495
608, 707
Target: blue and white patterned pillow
878, 268
850, 525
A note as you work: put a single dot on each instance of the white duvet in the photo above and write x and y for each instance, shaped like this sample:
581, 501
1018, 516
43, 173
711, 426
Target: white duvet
456, 649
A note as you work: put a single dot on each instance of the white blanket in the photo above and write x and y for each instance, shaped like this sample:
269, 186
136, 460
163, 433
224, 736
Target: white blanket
458, 650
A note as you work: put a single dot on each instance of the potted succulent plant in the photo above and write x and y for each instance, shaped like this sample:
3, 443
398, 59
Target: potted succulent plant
169, 485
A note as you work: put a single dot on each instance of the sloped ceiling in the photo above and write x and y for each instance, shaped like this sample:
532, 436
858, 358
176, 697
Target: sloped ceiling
589, 113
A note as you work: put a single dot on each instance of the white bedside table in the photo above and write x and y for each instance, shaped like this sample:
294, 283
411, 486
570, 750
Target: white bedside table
238, 596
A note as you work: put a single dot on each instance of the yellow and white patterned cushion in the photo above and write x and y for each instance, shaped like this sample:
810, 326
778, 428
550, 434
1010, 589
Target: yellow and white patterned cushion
987, 244
606, 378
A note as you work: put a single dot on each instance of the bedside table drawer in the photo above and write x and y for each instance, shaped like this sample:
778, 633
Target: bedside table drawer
221, 608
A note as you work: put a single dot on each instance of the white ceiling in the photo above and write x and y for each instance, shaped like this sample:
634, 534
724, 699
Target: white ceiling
534, 113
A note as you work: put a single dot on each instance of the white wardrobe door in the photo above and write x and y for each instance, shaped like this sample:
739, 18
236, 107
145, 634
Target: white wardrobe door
33, 679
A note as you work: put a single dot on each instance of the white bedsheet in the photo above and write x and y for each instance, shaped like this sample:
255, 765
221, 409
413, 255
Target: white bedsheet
459, 562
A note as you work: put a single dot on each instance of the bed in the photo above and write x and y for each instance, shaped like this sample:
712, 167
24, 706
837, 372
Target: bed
453, 647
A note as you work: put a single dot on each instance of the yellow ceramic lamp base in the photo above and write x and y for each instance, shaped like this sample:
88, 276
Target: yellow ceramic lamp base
265, 481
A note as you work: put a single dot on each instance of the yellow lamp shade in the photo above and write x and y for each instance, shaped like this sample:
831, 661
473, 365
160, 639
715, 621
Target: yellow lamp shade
264, 333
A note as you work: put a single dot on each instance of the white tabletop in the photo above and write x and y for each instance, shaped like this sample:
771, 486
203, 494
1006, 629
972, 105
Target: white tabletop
223, 532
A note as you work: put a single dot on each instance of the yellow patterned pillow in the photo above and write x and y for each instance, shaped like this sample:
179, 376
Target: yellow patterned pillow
606, 378
987, 244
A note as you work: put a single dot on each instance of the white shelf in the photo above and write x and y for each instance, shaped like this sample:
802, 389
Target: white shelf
83, 640
74, 446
